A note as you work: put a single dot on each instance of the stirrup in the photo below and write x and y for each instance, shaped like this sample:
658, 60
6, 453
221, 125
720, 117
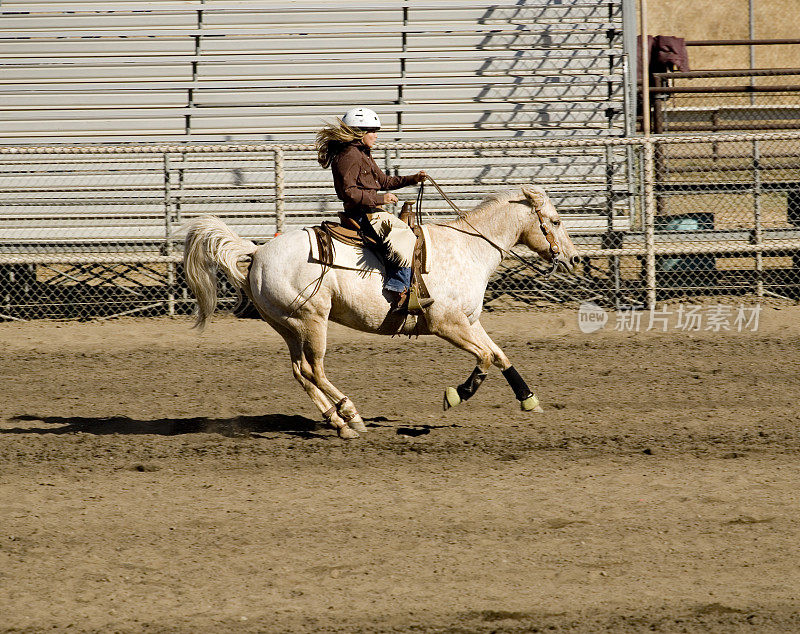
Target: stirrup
418, 303
410, 302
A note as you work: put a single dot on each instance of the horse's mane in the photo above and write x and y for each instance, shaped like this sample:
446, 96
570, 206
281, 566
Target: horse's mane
496, 199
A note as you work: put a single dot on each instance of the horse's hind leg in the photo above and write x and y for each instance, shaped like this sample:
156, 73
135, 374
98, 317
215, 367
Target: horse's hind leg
314, 352
304, 373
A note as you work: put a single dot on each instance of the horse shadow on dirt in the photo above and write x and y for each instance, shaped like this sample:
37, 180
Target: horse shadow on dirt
235, 427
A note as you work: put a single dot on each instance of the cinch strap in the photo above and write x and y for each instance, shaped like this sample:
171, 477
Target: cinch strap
521, 389
471, 385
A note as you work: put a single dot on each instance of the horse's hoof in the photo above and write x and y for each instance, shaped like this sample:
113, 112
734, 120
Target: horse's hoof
347, 433
451, 398
531, 404
358, 425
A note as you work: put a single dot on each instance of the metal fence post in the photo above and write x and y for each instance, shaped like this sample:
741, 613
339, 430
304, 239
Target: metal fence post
280, 214
649, 220
168, 236
758, 230
611, 235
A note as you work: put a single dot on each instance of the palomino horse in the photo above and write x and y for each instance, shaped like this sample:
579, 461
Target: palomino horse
296, 299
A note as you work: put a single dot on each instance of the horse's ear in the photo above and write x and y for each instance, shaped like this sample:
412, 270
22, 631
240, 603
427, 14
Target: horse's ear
535, 196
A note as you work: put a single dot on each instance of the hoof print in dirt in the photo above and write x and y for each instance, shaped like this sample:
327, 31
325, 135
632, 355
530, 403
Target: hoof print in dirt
142, 468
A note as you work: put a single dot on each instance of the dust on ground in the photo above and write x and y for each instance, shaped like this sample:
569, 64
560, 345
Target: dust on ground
152, 479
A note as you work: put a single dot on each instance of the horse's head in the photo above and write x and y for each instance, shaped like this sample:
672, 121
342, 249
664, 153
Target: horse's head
544, 233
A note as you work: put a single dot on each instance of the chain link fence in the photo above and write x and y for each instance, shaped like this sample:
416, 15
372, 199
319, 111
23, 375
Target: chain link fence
738, 200
93, 232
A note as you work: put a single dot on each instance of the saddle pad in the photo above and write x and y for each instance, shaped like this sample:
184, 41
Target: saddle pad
346, 256
363, 260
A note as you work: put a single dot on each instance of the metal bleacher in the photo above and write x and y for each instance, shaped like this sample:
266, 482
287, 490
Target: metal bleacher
263, 70
260, 71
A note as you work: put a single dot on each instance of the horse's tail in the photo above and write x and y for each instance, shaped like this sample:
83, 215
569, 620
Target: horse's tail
211, 245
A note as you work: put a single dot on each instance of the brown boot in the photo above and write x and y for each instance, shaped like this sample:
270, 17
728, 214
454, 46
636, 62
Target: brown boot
399, 302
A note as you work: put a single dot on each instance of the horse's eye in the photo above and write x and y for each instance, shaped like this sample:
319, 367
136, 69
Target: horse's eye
556, 223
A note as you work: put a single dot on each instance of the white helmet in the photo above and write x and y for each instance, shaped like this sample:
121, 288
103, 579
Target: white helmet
362, 118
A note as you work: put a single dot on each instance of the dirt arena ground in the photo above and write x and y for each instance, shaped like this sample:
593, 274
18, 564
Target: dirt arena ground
155, 480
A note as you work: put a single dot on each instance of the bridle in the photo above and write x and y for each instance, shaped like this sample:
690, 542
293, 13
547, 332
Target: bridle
549, 235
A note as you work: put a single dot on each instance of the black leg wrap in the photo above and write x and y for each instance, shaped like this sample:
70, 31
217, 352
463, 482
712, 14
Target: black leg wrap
471, 385
521, 389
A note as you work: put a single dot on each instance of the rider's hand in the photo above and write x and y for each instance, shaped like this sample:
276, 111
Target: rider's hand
421, 176
389, 198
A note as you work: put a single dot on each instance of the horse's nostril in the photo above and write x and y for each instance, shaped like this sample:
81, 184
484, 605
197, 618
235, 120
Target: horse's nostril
574, 260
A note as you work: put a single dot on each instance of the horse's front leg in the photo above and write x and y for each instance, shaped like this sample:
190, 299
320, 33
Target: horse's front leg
456, 395
527, 399
459, 332
473, 339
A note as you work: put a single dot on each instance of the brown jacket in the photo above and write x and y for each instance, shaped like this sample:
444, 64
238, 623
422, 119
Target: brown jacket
357, 178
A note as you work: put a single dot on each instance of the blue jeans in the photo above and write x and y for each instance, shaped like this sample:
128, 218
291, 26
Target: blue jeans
398, 278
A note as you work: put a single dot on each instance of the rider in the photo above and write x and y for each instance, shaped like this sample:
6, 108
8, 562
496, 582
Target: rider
346, 147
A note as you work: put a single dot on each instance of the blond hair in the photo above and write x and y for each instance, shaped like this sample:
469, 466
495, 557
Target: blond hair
332, 139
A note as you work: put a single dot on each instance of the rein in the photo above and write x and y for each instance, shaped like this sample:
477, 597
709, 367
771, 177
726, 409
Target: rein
548, 234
